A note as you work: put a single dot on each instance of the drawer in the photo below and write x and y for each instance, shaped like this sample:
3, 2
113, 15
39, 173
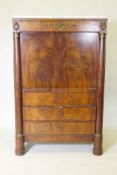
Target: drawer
59, 113
63, 98
56, 128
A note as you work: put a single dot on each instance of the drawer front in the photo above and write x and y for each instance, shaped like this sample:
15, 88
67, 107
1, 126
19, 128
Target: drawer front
59, 113
56, 128
54, 99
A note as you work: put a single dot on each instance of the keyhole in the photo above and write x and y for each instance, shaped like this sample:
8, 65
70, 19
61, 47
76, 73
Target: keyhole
61, 112
59, 39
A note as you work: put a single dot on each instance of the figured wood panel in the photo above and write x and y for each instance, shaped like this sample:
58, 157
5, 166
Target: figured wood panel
59, 128
55, 99
82, 114
59, 60
58, 114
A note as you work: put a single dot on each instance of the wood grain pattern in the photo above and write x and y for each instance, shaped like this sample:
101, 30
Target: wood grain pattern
59, 80
41, 64
57, 128
54, 99
62, 25
59, 114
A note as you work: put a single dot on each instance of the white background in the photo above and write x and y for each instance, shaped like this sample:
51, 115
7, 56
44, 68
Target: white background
75, 161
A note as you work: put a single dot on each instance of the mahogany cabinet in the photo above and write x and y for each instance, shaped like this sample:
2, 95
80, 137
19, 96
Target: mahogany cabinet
59, 67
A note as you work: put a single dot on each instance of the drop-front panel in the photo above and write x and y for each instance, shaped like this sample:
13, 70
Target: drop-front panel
59, 80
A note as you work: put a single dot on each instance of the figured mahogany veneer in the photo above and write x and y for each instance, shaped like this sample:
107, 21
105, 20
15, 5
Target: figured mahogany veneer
59, 80
56, 128
59, 113
55, 99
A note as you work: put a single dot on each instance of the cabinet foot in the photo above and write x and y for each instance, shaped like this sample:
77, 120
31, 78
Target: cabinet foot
20, 147
98, 150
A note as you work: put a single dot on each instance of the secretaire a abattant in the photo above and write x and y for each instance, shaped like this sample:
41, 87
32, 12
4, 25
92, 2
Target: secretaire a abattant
59, 66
